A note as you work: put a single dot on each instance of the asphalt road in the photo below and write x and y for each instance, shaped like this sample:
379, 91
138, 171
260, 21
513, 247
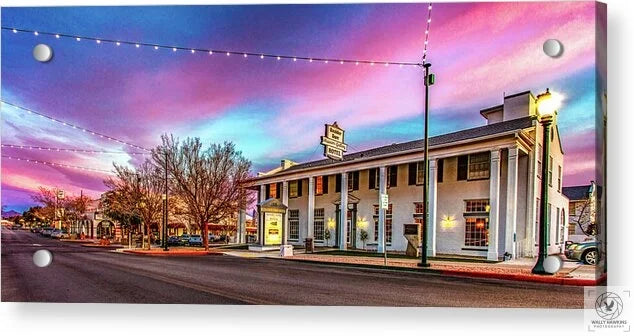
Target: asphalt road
82, 274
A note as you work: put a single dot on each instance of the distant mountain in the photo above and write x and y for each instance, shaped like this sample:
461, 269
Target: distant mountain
10, 214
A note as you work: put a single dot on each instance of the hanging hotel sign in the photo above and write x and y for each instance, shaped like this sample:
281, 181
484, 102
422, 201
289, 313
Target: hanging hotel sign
334, 147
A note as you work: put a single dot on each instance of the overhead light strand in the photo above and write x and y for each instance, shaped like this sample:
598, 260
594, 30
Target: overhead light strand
73, 150
85, 130
426, 44
174, 48
54, 164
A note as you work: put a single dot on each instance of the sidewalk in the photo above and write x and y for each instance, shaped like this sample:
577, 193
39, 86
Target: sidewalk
572, 273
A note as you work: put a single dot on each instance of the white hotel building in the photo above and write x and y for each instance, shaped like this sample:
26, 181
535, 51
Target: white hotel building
483, 191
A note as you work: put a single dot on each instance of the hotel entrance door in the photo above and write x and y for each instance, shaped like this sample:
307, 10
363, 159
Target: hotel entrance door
351, 240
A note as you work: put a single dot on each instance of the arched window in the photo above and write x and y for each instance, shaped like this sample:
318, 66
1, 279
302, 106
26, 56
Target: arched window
563, 225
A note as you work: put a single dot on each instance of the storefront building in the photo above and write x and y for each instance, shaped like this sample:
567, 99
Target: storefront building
484, 187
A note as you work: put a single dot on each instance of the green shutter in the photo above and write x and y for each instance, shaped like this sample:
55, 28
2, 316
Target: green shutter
372, 178
463, 167
355, 181
325, 183
440, 168
411, 177
299, 188
338, 183
393, 175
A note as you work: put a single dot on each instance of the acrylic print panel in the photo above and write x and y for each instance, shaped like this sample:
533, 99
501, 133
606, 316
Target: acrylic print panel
444, 154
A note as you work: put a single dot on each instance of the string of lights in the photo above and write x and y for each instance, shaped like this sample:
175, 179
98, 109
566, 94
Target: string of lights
427, 33
53, 164
210, 52
85, 130
73, 150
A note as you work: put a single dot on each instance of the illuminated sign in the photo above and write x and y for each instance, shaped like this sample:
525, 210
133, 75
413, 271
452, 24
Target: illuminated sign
272, 228
334, 147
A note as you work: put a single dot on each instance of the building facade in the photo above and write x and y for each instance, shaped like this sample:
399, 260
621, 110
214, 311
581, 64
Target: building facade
583, 211
484, 187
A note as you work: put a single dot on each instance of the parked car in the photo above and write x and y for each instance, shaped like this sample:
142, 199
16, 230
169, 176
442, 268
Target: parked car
173, 240
46, 232
586, 252
156, 238
213, 238
196, 240
57, 234
36, 229
184, 239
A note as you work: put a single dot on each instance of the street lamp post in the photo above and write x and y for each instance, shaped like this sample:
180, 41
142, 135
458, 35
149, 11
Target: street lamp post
429, 80
164, 241
546, 110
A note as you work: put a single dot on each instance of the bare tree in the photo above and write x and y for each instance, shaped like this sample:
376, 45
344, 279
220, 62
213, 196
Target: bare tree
137, 192
586, 218
208, 180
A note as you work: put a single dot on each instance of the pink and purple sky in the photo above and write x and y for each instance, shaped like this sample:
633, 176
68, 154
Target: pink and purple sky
276, 109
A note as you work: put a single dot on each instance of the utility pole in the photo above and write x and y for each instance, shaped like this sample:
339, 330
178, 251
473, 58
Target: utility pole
429, 80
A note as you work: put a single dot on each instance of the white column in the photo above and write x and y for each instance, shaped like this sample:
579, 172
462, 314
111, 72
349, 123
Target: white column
310, 230
382, 190
261, 215
494, 202
343, 213
242, 220
510, 245
285, 202
432, 204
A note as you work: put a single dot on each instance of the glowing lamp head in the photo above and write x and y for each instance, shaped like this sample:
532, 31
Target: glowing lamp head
548, 103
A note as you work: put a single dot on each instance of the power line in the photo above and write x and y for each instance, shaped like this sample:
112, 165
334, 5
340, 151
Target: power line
85, 130
54, 164
241, 54
73, 150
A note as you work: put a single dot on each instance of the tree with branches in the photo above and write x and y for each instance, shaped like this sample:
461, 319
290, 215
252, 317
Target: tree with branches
207, 179
585, 219
136, 193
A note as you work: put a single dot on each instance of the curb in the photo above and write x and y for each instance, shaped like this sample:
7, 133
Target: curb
172, 254
76, 241
530, 278
102, 246
379, 267
465, 274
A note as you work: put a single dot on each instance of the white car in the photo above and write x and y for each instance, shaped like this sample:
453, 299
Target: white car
59, 234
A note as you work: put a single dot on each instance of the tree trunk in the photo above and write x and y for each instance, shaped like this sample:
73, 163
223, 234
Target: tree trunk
205, 236
149, 237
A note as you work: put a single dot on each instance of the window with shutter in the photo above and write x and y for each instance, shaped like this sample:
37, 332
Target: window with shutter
293, 189
372, 184
319, 185
392, 172
338, 183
